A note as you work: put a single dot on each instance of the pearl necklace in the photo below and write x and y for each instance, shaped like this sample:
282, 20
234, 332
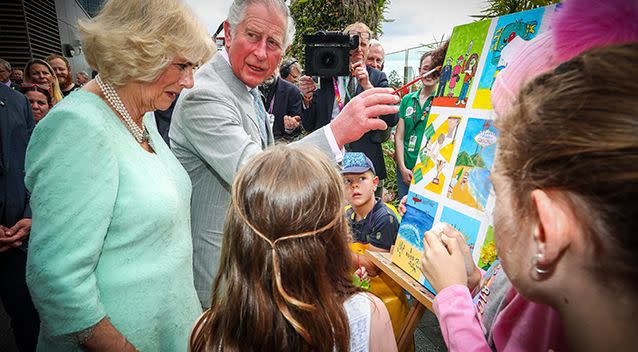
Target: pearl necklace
140, 135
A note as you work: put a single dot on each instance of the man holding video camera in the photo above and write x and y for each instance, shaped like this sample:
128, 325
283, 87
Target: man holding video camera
322, 104
221, 122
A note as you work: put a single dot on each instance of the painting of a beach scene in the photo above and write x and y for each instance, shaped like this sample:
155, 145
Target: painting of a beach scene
470, 182
466, 225
408, 248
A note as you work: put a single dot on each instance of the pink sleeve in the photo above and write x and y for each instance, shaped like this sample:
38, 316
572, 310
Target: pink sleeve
460, 327
381, 333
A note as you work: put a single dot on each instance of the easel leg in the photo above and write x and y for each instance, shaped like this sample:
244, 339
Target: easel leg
407, 331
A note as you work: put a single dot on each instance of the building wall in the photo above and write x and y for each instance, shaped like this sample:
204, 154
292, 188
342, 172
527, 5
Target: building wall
68, 14
28, 29
33, 29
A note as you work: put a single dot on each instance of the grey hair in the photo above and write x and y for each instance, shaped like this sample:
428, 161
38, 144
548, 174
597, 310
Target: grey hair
375, 42
237, 12
6, 64
82, 73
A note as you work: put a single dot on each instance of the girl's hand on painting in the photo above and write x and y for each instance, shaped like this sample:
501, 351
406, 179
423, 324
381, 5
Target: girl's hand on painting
442, 263
473, 272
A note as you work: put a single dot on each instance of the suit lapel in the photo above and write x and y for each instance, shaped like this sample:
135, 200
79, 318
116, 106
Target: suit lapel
239, 89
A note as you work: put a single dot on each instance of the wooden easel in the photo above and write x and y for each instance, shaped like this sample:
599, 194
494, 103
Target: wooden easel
424, 298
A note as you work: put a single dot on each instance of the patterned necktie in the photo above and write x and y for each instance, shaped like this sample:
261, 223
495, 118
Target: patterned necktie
352, 88
260, 110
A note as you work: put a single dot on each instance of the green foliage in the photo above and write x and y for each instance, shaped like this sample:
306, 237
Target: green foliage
390, 183
333, 15
497, 8
394, 79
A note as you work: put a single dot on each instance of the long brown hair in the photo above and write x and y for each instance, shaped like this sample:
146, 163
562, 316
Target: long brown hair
285, 268
438, 55
575, 130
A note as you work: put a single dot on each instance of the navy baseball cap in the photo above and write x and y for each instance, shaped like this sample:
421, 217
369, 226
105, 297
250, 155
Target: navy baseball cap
356, 163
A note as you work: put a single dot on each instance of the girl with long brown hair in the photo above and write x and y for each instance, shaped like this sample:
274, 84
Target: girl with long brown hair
284, 281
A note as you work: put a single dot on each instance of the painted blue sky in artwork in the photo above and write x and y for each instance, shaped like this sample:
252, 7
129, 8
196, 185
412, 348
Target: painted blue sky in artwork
422, 203
468, 226
469, 145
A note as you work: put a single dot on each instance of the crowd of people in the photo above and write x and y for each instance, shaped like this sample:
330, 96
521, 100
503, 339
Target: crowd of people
150, 209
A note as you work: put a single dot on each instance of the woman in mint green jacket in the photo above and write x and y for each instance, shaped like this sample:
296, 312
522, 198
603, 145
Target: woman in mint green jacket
110, 257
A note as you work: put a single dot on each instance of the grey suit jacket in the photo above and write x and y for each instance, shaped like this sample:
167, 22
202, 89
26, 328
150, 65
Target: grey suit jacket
214, 132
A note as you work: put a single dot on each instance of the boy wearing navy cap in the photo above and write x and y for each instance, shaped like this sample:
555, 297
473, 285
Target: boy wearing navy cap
371, 221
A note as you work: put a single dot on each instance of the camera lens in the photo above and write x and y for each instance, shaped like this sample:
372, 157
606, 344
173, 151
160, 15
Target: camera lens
327, 59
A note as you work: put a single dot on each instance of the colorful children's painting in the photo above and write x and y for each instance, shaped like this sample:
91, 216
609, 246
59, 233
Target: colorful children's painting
470, 182
524, 25
465, 224
451, 177
461, 64
435, 159
408, 248
480, 300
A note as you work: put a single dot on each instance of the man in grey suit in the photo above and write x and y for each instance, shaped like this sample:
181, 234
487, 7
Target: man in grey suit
220, 123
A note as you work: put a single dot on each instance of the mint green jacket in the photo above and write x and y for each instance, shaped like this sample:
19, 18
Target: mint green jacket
111, 230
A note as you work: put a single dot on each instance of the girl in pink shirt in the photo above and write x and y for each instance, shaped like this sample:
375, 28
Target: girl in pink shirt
565, 218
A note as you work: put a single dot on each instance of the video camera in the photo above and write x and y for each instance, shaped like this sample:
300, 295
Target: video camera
327, 54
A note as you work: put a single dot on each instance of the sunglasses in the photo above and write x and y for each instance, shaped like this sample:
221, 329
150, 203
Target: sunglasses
364, 35
31, 85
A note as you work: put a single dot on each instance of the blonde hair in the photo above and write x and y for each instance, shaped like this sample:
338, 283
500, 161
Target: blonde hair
358, 25
135, 40
54, 86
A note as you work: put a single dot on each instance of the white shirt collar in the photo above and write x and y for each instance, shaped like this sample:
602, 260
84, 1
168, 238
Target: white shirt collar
224, 54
